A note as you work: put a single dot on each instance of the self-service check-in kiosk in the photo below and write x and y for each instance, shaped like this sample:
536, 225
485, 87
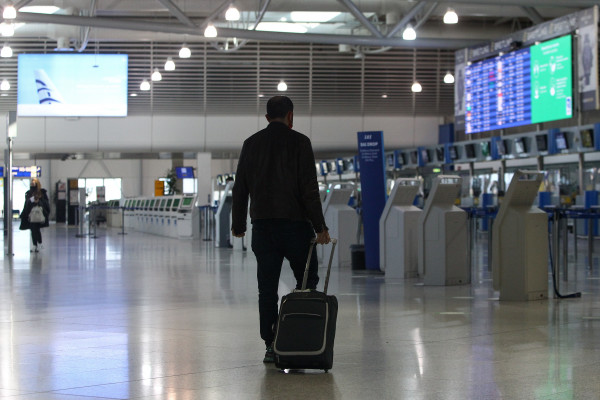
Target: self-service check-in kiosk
443, 236
342, 221
398, 246
520, 242
188, 219
223, 218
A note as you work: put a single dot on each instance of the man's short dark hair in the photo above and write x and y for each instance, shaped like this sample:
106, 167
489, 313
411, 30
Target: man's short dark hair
279, 106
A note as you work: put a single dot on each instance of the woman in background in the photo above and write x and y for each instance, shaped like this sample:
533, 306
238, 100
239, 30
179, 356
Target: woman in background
31, 218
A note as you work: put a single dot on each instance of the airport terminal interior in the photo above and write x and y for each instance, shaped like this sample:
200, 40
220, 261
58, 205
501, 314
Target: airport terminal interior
457, 154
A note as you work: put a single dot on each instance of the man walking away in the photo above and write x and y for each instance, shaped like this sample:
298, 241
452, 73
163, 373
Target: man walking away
276, 170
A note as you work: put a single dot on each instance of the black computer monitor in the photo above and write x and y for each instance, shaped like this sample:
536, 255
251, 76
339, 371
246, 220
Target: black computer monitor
541, 142
413, 157
470, 150
425, 155
520, 146
501, 147
587, 138
453, 152
440, 154
485, 149
390, 161
561, 141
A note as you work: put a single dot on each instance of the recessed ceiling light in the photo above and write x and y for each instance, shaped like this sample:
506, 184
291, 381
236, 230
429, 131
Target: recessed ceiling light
448, 78
145, 85
282, 86
416, 87
133, 95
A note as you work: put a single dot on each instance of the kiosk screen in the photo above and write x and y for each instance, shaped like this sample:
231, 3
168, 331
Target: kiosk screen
176, 204
587, 138
169, 202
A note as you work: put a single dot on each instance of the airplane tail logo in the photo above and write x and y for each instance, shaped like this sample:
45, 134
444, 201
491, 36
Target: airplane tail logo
47, 92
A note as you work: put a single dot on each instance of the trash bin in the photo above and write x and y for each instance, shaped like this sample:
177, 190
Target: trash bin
357, 254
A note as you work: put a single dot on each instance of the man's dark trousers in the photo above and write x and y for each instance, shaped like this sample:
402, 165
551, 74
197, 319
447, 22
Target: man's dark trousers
272, 241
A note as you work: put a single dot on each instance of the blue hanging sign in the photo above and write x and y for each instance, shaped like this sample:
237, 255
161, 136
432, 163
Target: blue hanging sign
372, 179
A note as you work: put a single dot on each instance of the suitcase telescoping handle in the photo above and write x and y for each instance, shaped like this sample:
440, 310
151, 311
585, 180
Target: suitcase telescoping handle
313, 244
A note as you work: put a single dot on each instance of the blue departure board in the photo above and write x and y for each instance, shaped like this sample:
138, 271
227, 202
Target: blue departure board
522, 87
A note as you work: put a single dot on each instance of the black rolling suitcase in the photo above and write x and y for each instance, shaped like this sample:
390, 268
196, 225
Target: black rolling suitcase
306, 326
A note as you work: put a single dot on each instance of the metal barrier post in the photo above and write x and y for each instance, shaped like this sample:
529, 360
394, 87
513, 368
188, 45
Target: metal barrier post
590, 238
489, 257
122, 222
565, 255
92, 223
80, 216
555, 245
575, 238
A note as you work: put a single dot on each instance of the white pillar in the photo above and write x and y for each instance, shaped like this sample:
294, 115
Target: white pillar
203, 175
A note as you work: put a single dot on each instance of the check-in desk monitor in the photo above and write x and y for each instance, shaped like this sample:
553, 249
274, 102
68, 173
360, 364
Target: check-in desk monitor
520, 242
443, 235
398, 245
342, 221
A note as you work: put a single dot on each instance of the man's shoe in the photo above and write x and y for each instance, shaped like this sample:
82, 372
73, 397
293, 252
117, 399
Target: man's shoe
269, 355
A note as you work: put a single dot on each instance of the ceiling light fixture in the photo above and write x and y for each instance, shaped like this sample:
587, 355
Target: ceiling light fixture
170, 64
185, 51
232, 14
133, 95
145, 85
384, 96
448, 78
7, 29
156, 76
210, 31
5, 85
282, 86
450, 17
409, 33
416, 87
10, 12
6, 51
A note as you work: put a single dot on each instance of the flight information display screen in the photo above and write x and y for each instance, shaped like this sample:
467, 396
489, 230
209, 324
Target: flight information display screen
522, 87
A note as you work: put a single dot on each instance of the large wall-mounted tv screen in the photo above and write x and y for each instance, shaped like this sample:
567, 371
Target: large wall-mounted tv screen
63, 85
526, 86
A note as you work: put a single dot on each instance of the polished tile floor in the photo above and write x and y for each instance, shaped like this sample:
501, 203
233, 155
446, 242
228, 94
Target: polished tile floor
145, 317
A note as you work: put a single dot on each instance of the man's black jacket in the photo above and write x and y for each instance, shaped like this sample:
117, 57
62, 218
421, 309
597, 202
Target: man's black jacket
277, 171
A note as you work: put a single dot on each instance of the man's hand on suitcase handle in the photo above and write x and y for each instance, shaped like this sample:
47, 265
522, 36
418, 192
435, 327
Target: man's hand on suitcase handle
323, 237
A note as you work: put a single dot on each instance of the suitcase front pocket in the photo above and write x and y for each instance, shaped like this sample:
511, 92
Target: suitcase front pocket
300, 332
301, 316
